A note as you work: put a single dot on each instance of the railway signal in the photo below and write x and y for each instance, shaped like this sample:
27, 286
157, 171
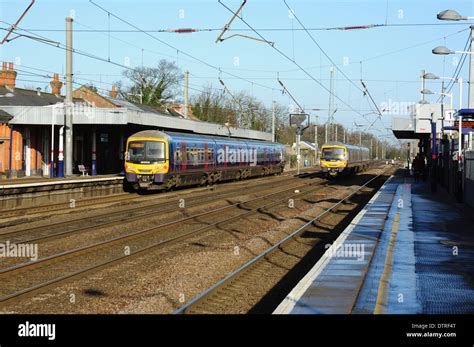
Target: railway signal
299, 120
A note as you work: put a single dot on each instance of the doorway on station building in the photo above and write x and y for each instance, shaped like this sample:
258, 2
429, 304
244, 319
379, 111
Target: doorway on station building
26, 156
78, 152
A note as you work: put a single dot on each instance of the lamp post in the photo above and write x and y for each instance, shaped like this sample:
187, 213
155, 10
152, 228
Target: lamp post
442, 50
455, 16
429, 92
316, 140
328, 126
422, 78
273, 120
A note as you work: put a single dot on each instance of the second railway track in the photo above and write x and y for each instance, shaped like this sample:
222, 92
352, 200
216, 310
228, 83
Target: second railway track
233, 287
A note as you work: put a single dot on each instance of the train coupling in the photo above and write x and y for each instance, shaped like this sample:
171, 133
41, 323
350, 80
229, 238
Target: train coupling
145, 181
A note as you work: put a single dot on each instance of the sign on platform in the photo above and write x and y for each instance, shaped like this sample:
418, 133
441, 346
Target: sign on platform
449, 115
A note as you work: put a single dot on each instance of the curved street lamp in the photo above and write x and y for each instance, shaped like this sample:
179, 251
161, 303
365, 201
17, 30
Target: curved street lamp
442, 50
451, 15
429, 92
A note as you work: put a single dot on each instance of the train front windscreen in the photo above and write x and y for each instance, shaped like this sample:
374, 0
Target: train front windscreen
146, 152
331, 154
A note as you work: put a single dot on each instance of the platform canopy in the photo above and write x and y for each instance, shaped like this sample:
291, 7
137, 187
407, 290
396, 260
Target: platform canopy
466, 113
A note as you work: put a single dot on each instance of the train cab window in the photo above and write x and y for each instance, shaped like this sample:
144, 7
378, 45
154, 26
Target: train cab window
332, 153
146, 151
155, 151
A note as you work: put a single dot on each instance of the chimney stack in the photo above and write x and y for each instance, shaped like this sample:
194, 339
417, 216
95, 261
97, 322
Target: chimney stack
56, 85
7, 76
113, 93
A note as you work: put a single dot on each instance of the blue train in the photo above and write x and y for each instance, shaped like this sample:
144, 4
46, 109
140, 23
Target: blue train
164, 160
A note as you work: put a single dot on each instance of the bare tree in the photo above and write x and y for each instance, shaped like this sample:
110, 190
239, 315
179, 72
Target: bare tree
152, 86
211, 106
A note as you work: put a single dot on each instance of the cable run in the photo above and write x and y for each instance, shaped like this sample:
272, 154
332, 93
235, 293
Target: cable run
291, 60
320, 48
177, 49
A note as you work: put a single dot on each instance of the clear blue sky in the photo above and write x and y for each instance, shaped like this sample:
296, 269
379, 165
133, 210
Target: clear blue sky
389, 77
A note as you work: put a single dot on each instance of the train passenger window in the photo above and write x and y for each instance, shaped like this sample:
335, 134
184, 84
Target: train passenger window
178, 155
210, 154
192, 155
189, 155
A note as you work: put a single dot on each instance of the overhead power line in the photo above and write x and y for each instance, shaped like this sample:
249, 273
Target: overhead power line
291, 95
88, 55
459, 67
177, 49
195, 30
386, 53
290, 59
319, 46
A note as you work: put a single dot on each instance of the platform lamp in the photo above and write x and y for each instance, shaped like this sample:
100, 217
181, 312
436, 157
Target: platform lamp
429, 92
442, 50
455, 16
431, 76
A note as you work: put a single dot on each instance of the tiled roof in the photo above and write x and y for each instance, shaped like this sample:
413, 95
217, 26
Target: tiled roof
28, 97
25, 97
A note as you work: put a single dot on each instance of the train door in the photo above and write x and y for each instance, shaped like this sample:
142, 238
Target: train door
179, 156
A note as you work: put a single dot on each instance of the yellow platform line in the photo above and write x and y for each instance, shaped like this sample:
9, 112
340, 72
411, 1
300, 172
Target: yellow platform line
387, 269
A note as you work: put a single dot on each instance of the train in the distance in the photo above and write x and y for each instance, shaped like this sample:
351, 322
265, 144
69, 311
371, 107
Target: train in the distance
165, 160
337, 158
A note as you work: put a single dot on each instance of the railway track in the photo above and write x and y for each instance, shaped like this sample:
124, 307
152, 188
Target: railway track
27, 278
61, 206
94, 201
121, 216
233, 285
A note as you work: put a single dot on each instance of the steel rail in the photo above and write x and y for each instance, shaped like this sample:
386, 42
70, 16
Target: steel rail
77, 251
262, 255
150, 210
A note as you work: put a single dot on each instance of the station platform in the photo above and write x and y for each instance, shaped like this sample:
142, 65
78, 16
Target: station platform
409, 251
34, 191
38, 181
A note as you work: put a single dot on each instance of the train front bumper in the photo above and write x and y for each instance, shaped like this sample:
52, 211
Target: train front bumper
332, 169
145, 180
